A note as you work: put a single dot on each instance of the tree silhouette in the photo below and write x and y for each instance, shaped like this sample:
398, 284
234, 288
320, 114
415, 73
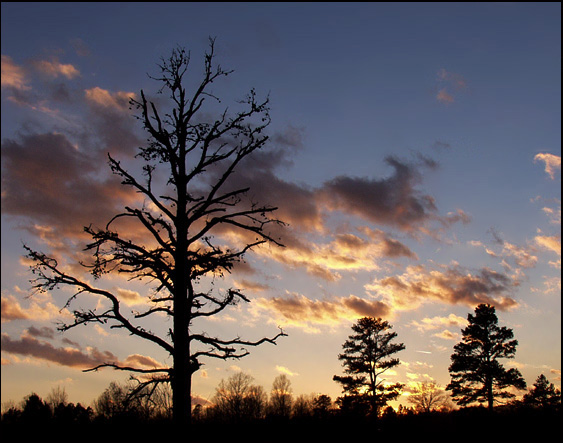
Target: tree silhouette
281, 397
543, 394
180, 216
428, 396
237, 398
476, 373
365, 359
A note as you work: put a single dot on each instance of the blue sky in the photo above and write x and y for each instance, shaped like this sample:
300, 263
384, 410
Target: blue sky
433, 127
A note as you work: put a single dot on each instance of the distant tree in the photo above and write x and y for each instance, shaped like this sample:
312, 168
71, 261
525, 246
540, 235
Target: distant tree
281, 397
303, 406
35, 410
366, 358
237, 398
428, 396
543, 394
56, 397
476, 373
69, 413
322, 405
195, 149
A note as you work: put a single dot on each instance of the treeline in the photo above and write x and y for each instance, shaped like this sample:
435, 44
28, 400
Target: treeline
241, 410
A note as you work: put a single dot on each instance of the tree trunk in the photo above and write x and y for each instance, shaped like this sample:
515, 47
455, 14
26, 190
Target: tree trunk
181, 402
490, 397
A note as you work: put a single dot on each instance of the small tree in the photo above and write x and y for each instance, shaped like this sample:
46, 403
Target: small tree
476, 373
56, 397
366, 358
237, 398
322, 405
543, 394
281, 397
195, 148
428, 396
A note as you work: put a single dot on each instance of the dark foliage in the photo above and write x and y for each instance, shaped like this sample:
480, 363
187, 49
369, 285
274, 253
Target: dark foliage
477, 374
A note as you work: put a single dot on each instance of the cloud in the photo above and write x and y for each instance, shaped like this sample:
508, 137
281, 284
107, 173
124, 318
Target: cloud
552, 163
40, 309
56, 69
29, 346
446, 335
551, 243
43, 332
13, 76
56, 189
284, 370
427, 324
130, 297
449, 285
444, 97
299, 311
142, 361
453, 82
392, 201
71, 355
118, 101
251, 285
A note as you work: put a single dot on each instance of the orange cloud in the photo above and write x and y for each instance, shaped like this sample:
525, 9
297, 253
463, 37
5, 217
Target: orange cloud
551, 243
13, 76
454, 82
38, 309
56, 69
302, 312
68, 356
552, 163
284, 370
453, 285
427, 323
142, 361
444, 97
102, 97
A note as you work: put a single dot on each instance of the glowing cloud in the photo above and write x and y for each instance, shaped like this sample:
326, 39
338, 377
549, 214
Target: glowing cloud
450, 285
56, 69
552, 163
302, 312
101, 97
284, 370
13, 76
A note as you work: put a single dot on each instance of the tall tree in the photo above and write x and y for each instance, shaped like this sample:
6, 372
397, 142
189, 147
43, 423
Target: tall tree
366, 358
476, 373
180, 217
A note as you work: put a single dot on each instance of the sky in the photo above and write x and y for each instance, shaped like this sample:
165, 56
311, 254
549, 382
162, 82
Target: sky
414, 152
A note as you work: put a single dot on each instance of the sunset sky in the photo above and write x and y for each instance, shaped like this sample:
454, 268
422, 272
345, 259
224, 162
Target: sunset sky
415, 153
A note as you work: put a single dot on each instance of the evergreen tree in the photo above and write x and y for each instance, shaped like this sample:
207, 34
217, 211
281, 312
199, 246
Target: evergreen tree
543, 394
477, 375
365, 359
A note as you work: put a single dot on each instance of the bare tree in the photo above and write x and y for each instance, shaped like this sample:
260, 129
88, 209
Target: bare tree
429, 396
281, 396
56, 397
237, 398
180, 217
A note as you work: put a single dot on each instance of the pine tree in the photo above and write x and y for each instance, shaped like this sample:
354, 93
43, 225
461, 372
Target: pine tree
365, 359
543, 394
477, 375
